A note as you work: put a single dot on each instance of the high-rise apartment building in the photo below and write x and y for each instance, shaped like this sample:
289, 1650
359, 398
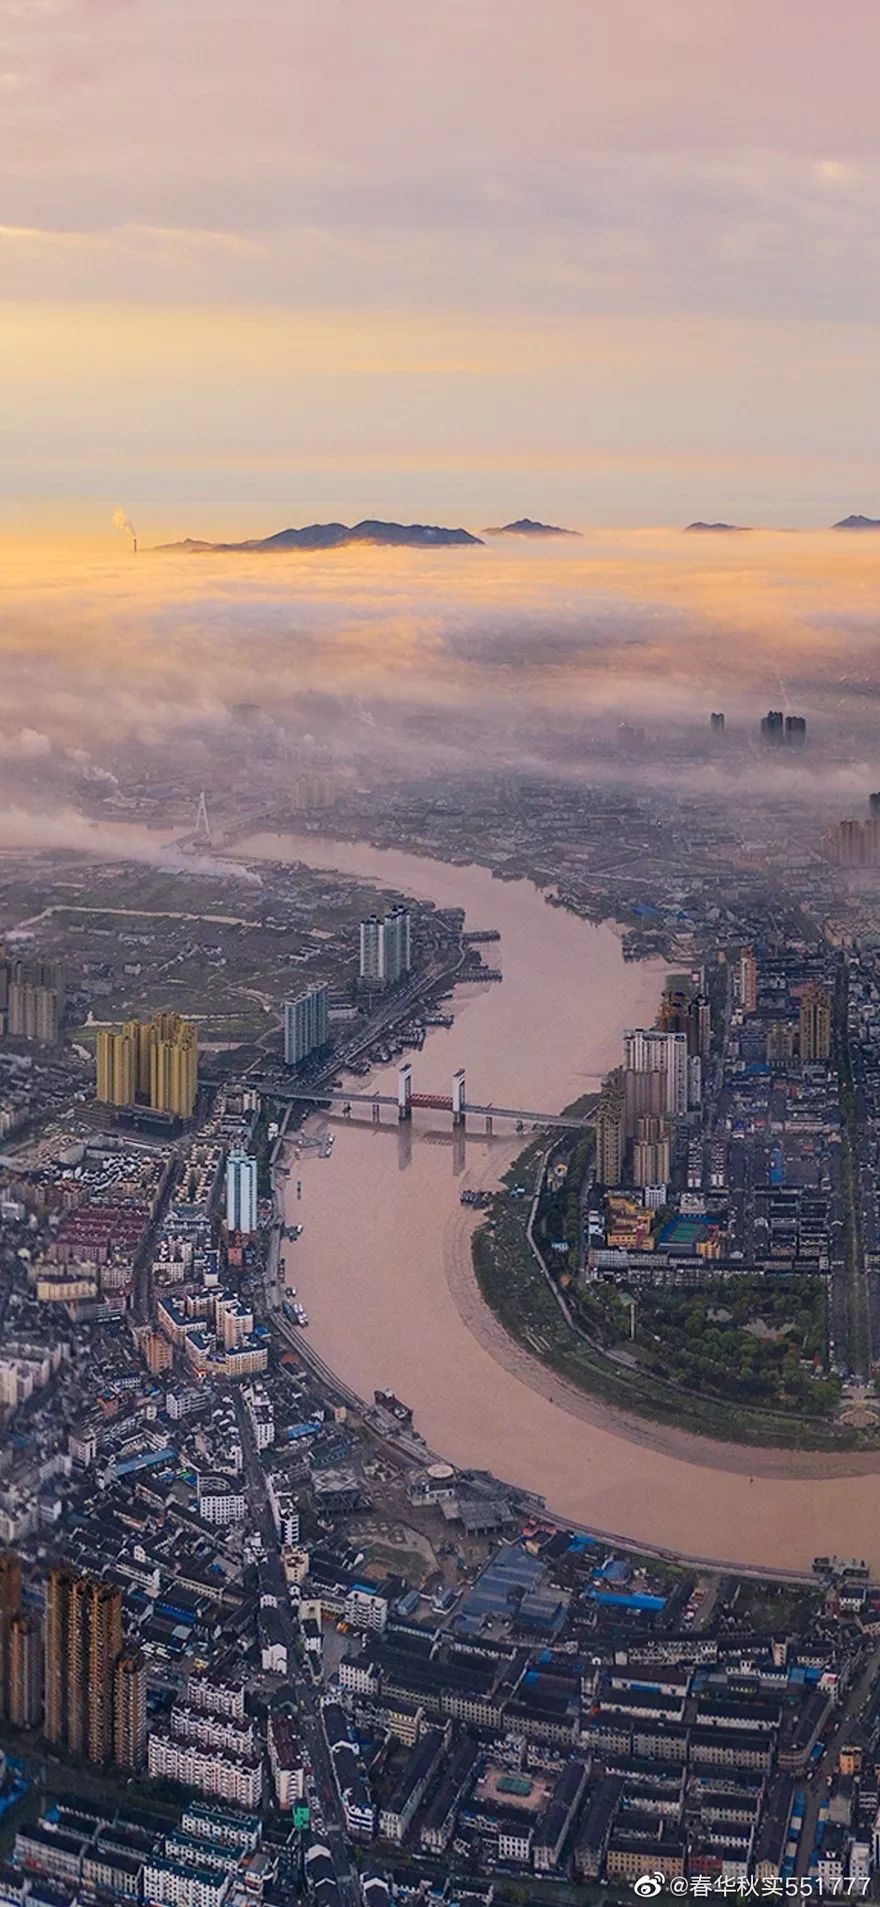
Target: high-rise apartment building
83, 1645
372, 960
153, 1062
699, 1027
682, 1010
130, 1710
241, 1193
748, 981
56, 1637
31, 999
10, 1608
34, 1013
386, 948
306, 1024
853, 843
652, 1152
174, 1065
783, 731
815, 1026
672, 1017
25, 1685
644, 1096
116, 1062
652, 1051
610, 1133
398, 944
847, 844
773, 727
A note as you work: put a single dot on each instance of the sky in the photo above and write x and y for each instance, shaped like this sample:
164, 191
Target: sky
598, 261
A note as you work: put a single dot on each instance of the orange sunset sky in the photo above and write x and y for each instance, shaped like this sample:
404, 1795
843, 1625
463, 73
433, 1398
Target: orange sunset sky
601, 261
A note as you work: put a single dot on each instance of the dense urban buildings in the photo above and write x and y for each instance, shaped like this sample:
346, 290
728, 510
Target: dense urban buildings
202, 1595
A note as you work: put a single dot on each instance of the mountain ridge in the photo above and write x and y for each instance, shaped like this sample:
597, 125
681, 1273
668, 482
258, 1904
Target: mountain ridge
527, 526
336, 536
736, 529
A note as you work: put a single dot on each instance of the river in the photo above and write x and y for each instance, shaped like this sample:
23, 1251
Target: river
384, 1266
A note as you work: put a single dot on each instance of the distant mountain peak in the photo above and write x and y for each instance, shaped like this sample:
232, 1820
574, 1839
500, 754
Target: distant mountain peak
527, 526
737, 529
857, 523
337, 536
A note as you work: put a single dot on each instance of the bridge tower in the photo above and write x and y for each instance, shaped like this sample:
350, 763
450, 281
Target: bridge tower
203, 825
458, 1097
404, 1092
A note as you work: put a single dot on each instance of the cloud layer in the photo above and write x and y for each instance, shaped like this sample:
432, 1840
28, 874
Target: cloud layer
252, 676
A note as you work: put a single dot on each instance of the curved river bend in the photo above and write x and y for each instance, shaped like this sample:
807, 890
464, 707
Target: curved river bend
384, 1265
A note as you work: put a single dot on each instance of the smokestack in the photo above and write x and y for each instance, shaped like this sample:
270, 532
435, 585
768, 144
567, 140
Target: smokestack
121, 522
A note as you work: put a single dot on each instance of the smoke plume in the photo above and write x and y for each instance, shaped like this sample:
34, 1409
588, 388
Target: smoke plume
121, 522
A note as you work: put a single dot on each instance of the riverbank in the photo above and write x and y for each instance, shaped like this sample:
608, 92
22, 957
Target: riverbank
525, 1300
384, 1264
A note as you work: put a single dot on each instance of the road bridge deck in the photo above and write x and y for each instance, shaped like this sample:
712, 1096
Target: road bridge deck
433, 1102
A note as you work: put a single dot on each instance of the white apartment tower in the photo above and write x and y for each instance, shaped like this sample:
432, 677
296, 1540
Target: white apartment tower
241, 1193
386, 948
306, 1024
654, 1052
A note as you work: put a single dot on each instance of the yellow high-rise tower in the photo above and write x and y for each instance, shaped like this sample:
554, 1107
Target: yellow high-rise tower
130, 1710
143, 1032
83, 1646
25, 1681
153, 1062
116, 1058
174, 1065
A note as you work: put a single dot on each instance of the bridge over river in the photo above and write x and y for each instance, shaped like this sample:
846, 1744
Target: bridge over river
406, 1101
